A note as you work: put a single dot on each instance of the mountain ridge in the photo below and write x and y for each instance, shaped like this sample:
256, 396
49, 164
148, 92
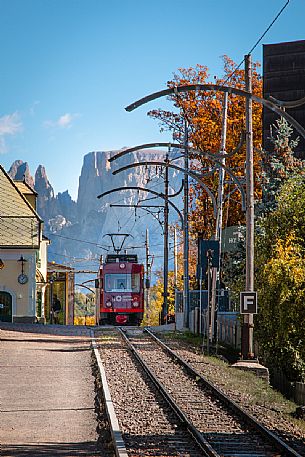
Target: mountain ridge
89, 219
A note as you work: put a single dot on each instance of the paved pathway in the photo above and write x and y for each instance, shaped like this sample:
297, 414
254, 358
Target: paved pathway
46, 392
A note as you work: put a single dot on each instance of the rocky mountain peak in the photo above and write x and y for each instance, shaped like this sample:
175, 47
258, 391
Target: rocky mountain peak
42, 184
77, 229
20, 171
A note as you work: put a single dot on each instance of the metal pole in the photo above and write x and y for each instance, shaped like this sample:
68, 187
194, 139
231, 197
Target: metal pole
175, 273
147, 285
185, 232
219, 218
165, 268
175, 259
51, 302
200, 300
209, 256
221, 170
247, 331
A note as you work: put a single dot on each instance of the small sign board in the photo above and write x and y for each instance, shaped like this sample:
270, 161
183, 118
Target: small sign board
203, 247
232, 238
1, 305
248, 303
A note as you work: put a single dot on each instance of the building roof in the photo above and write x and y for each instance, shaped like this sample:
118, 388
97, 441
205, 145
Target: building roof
25, 188
19, 222
56, 267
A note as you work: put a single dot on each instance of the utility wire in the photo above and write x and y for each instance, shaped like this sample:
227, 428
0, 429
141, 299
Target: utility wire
81, 241
75, 259
258, 41
230, 76
185, 114
268, 28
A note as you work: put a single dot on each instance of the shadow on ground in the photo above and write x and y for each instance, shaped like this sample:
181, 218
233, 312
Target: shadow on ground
86, 449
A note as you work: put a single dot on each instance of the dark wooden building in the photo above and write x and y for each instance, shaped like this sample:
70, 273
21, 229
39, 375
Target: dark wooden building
284, 79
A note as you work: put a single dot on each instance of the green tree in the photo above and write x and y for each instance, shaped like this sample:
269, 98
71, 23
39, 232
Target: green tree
152, 314
279, 165
79, 303
276, 168
281, 281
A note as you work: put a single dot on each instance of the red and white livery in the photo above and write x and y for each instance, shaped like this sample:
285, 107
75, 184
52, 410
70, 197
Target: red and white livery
121, 290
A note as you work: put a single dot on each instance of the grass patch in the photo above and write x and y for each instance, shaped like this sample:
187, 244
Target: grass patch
251, 389
187, 337
198, 343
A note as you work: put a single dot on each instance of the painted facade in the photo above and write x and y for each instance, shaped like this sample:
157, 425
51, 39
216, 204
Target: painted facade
23, 254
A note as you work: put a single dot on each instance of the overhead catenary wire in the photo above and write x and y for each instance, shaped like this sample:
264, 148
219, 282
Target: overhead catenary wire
76, 239
104, 247
253, 47
257, 42
75, 259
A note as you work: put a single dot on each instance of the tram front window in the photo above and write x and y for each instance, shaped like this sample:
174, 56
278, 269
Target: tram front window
122, 282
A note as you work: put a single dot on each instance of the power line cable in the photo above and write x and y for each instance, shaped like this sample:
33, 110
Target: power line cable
76, 239
269, 27
81, 259
258, 41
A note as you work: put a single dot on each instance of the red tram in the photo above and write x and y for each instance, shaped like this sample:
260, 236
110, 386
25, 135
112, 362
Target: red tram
121, 290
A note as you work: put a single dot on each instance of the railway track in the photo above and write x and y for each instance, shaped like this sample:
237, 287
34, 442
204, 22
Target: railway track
219, 426
148, 425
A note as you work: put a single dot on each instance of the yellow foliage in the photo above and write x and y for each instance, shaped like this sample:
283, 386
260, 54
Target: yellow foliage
287, 261
84, 320
152, 314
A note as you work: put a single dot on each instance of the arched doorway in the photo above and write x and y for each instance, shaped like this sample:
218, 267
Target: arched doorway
6, 306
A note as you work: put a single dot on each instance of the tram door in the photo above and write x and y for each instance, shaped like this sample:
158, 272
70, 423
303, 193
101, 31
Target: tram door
5, 307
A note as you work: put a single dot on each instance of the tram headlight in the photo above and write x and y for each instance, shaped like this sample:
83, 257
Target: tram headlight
135, 304
108, 304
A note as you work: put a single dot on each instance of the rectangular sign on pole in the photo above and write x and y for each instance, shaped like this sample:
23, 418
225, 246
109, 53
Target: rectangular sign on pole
203, 247
248, 303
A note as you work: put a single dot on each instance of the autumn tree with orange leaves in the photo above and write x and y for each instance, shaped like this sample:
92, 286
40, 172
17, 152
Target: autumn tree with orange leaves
203, 112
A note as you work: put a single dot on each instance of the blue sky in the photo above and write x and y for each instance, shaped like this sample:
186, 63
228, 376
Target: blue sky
69, 67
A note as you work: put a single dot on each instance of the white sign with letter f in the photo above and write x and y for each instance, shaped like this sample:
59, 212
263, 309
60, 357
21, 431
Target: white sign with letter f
248, 303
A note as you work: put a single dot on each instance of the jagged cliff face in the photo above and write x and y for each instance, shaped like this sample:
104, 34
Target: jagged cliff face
46, 201
98, 218
96, 176
49, 206
20, 171
89, 218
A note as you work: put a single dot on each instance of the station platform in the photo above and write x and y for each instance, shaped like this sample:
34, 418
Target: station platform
47, 400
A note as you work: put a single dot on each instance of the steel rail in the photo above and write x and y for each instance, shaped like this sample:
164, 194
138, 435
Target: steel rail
196, 435
115, 430
271, 437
